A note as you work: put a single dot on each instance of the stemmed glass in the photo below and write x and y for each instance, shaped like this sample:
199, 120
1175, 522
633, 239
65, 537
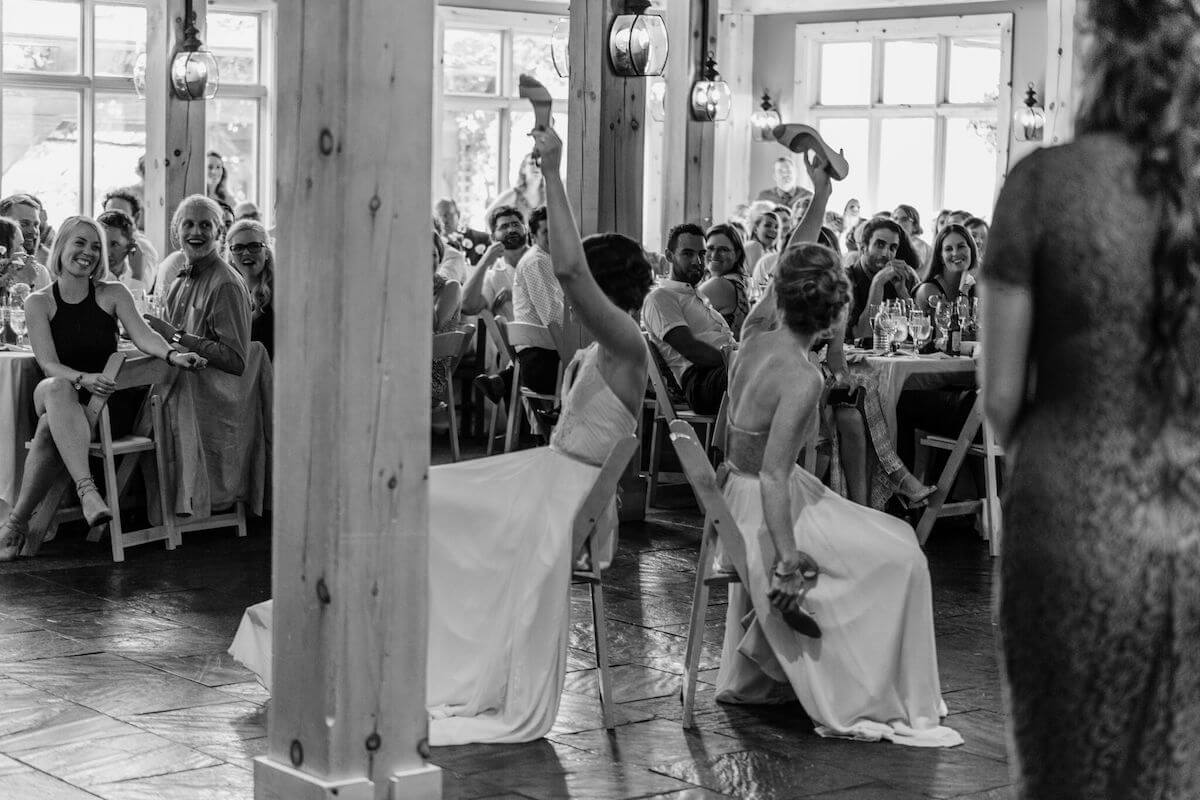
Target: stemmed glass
899, 328
921, 328
16, 321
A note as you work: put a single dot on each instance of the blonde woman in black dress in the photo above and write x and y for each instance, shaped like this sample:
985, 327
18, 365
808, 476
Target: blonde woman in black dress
1091, 379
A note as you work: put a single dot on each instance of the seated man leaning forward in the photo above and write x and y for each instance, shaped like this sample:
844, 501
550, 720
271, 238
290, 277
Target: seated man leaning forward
692, 337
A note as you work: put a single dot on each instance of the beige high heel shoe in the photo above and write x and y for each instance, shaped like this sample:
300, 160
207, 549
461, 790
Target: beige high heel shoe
95, 510
12, 538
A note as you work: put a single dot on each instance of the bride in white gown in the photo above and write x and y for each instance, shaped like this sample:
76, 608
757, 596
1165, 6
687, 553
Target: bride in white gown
500, 549
872, 674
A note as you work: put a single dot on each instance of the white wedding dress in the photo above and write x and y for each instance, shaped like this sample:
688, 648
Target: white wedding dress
499, 573
873, 673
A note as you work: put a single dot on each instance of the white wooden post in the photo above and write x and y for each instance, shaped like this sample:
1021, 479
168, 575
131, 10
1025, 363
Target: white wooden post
352, 384
732, 138
174, 128
1063, 69
688, 144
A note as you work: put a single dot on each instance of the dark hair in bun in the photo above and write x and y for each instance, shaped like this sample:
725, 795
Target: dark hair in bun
812, 288
620, 268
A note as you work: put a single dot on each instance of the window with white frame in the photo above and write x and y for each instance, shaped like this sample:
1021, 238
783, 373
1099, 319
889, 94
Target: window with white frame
482, 136
920, 107
73, 126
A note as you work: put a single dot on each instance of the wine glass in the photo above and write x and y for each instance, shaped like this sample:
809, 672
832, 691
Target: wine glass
921, 327
16, 321
899, 330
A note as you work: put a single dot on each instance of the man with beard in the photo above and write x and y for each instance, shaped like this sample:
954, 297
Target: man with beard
691, 336
785, 192
878, 274
462, 237
24, 210
490, 286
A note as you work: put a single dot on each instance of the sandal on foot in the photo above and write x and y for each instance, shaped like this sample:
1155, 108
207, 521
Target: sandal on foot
95, 510
800, 138
918, 499
12, 539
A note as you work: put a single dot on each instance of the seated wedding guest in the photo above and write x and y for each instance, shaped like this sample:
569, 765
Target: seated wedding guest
245, 210
958, 217
879, 273
454, 266
693, 339
227, 218
860, 573
728, 289
979, 232
490, 285
765, 231
954, 260
500, 528
125, 200
249, 251
909, 219
208, 307
785, 192
457, 234
25, 210
447, 304
538, 301
216, 176
126, 262
943, 218
16, 266
73, 327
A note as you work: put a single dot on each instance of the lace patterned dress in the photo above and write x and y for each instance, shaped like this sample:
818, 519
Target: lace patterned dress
499, 573
1100, 561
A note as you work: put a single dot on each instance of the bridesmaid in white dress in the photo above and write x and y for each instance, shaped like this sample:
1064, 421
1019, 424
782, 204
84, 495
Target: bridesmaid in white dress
872, 674
500, 550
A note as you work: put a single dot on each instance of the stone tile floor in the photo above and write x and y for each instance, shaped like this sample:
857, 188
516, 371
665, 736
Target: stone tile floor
114, 683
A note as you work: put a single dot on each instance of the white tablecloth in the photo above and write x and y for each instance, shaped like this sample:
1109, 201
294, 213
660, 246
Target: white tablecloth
900, 373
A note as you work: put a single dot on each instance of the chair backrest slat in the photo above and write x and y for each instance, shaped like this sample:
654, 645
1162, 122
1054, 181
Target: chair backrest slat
143, 370
602, 491
448, 345
662, 394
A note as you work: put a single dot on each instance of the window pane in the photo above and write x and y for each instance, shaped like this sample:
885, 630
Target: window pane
471, 62
470, 155
41, 148
233, 132
233, 39
41, 36
850, 135
975, 70
906, 165
119, 140
845, 74
531, 55
120, 36
971, 154
909, 73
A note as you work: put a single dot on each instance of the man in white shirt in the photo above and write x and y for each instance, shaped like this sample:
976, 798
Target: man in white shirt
490, 286
537, 301
689, 333
126, 262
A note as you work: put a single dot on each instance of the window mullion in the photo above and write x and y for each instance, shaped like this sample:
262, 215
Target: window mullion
87, 110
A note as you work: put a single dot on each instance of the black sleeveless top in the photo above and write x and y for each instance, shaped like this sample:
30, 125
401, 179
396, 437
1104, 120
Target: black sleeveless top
84, 334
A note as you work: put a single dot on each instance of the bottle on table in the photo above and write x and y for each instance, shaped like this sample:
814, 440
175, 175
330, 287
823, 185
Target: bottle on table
954, 333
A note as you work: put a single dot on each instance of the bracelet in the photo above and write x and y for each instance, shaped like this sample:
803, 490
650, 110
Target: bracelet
789, 573
170, 352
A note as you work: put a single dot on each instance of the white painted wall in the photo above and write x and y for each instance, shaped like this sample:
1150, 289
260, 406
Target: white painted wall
775, 59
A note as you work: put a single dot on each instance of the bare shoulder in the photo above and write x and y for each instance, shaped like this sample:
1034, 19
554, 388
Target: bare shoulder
718, 291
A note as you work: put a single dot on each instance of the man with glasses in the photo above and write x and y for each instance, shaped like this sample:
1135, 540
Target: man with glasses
691, 336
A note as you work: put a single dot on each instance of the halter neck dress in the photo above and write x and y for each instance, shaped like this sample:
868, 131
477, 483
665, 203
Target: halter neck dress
499, 573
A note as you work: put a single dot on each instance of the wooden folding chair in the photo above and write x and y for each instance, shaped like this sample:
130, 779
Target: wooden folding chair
583, 539
988, 507
496, 331
448, 348
669, 407
719, 525
517, 334
131, 450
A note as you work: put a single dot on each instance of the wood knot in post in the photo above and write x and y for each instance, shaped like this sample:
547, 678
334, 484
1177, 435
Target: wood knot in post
297, 753
323, 592
374, 206
392, 482
634, 124
326, 144
373, 742
423, 748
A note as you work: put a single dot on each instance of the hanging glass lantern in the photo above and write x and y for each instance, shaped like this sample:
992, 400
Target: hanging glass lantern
1031, 119
764, 121
711, 97
194, 73
560, 47
637, 42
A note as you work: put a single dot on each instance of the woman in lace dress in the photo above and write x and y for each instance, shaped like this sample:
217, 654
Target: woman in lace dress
1091, 372
500, 528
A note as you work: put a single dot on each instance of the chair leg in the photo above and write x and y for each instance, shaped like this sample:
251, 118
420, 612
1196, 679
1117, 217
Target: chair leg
114, 503
695, 640
497, 412
655, 459
240, 510
449, 395
512, 431
165, 507
600, 627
